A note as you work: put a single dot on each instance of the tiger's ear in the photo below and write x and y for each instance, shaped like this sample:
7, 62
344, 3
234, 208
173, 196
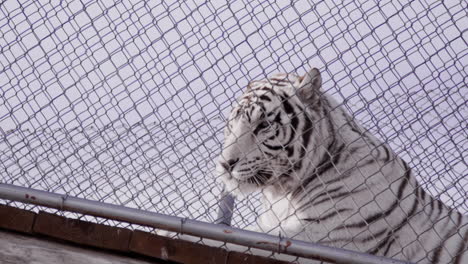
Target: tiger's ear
309, 88
249, 87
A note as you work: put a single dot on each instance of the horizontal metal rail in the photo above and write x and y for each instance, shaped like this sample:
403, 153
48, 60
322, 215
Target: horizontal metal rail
186, 226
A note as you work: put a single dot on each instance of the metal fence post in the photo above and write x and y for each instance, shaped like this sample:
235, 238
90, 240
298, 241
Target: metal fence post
225, 210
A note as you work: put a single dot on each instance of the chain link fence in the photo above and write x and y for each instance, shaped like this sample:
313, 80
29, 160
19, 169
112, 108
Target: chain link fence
125, 102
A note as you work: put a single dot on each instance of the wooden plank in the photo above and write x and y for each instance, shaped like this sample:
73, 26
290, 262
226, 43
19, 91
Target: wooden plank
190, 253
44, 227
12, 218
17, 248
175, 250
82, 232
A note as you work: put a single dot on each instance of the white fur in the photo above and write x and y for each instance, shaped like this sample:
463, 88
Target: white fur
376, 177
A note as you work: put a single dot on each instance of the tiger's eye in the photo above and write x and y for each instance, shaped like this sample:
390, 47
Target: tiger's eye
263, 125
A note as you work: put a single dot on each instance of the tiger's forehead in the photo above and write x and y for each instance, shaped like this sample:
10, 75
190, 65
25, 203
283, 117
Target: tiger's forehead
276, 81
255, 102
265, 96
268, 90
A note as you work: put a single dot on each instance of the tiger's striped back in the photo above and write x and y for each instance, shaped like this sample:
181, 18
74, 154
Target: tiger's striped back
326, 179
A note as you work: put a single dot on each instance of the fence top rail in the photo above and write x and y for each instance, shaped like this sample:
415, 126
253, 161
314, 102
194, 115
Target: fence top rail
187, 226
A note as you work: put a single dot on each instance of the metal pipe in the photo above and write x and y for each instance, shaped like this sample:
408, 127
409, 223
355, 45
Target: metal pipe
187, 226
226, 207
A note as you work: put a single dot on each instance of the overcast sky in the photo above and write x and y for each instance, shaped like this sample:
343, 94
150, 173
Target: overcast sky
125, 102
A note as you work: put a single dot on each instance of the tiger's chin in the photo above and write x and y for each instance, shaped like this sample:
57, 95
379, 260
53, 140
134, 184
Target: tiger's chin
238, 188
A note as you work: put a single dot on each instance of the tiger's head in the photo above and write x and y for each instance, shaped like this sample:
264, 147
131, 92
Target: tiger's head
268, 133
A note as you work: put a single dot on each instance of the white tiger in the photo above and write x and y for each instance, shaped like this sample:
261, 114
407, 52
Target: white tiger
326, 179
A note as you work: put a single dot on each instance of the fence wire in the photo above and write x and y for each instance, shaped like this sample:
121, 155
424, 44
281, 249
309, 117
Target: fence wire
125, 102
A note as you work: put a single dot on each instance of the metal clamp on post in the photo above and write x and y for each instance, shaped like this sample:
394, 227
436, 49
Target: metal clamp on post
182, 222
62, 204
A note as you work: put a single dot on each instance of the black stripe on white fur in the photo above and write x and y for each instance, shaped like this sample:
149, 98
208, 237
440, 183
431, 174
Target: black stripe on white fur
326, 179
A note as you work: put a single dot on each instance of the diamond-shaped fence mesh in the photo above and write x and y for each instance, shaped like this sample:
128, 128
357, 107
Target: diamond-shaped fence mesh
125, 102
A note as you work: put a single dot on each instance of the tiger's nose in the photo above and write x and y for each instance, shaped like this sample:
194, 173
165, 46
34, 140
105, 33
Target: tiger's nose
229, 164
